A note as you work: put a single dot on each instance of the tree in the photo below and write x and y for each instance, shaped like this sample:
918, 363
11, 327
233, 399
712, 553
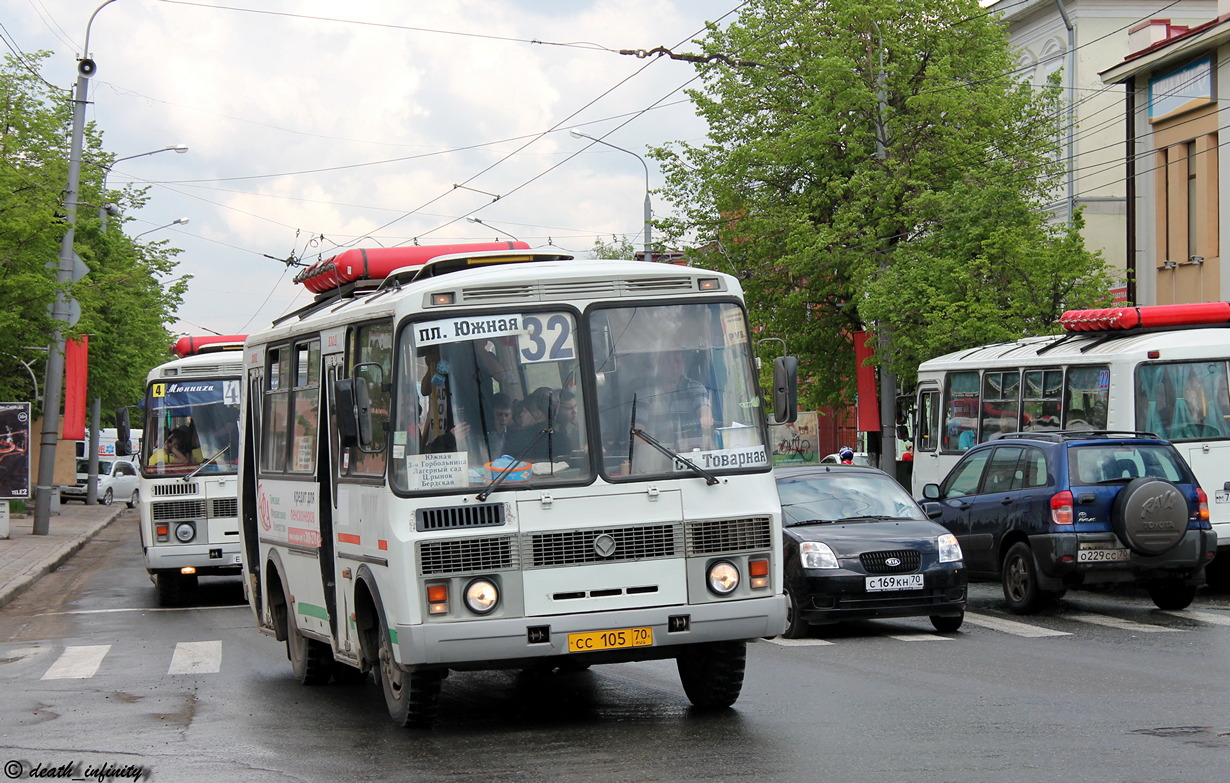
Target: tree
616, 248
878, 164
125, 308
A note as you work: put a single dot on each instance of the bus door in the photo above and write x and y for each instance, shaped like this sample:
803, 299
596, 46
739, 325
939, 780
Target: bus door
926, 438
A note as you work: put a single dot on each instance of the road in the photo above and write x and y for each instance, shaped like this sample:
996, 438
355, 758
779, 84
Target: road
1103, 688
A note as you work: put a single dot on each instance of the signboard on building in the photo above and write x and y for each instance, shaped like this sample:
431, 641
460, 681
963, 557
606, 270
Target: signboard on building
1181, 89
14, 450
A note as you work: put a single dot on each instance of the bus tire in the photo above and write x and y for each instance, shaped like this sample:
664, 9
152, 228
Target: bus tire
412, 698
172, 587
712, 672
310, 660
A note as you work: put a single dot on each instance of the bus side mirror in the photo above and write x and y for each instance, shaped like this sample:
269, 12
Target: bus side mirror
123, 433
354, 416
785, 390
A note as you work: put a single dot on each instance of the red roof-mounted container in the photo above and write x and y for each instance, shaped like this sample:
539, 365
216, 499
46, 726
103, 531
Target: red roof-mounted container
377, 263
193, 345
1149, 317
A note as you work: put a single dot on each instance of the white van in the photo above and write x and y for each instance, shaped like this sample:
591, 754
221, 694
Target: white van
117, 479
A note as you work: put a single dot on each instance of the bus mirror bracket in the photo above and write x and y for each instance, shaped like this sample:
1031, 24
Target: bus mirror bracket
123, 433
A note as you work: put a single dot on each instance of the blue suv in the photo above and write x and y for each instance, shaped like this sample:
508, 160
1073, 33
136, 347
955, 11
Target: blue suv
1046, 511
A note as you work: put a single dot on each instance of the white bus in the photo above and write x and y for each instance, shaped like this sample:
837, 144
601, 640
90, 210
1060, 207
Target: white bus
1158, 369
188, 460
392, 524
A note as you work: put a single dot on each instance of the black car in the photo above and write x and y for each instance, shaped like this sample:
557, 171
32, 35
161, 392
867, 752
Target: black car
1046, 511
858, 547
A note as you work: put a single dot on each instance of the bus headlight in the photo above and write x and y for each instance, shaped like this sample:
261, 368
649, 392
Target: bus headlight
723, 577
185, 532
482, 596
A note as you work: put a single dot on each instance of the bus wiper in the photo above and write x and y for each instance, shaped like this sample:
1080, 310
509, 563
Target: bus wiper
503, 474
709, 478
202, 466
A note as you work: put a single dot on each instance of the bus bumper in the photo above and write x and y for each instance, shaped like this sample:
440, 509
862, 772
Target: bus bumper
205, 558
527, 639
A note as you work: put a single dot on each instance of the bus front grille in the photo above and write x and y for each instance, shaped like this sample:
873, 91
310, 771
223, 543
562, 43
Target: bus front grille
600, 545
177, 509
224, 507
720, 536
466, 555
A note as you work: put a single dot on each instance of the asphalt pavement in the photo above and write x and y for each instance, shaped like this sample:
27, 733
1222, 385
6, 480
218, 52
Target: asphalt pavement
24, 557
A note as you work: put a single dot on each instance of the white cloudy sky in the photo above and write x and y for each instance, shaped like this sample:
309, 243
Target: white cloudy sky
302, 123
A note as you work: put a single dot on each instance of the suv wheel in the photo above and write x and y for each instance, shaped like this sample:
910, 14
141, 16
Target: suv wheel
1172, 594
1020, 579
1150, 515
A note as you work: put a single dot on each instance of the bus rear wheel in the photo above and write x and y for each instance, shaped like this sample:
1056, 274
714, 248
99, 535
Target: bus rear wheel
412, 698
310, 660
712, 672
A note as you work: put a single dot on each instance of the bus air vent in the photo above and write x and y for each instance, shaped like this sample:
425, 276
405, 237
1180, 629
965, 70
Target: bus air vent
466, 555
178, 509
720, 536
501, 293
224, 507
175, 490
453, 517
579, 289
659, 284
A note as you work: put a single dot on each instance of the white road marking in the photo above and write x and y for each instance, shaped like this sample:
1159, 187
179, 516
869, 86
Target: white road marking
196, 658
1011, 626
77, 663
1121, 624
782, 641
920, 637
1204, 617
151, 609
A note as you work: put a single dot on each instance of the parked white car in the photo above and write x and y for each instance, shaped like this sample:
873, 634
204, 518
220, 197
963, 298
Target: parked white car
117, 478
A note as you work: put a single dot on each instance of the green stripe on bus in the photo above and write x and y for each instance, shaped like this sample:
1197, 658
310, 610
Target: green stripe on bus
311, 610
393, 635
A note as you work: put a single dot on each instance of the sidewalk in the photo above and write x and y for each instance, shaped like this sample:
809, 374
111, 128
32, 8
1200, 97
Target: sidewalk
24, 557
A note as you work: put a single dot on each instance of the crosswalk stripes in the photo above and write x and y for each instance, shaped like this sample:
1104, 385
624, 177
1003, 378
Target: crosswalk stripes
196, 658
782, 641
1117, 622
1011, 626
1204, 617
78, 663
920, 637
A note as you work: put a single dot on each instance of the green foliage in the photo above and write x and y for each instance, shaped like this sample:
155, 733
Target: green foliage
124, 307
882, 165
616, 248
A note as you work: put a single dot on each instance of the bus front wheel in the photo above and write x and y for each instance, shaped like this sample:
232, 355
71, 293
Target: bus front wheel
712, 672
413, 698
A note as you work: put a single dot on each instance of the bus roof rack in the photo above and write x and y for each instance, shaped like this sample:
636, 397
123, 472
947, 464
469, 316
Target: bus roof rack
1062, 435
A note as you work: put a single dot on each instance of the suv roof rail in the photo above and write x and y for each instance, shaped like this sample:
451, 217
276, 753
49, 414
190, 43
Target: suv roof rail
1062, 435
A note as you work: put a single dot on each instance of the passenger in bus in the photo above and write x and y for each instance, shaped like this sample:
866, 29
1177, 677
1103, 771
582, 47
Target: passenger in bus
502, 416
567, 423
540, 440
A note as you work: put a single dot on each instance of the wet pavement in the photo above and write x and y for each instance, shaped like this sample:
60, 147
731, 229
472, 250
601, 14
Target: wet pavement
24, 557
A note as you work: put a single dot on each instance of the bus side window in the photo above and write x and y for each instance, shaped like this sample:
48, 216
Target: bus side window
928, 421
961, 405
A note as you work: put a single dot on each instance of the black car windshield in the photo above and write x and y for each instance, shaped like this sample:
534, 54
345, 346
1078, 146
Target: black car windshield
844, 496
1122, 462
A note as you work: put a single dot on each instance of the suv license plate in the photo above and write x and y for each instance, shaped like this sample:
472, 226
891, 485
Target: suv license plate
1103, 555
877, 584
610, 640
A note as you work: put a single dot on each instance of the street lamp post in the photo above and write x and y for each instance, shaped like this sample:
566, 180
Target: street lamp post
493, 228
176, 222
105, 210
63, 308
576, 134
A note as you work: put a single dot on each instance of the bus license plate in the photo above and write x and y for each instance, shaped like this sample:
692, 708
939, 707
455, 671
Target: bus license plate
1221, 496
610, 640
237, 559
876, 584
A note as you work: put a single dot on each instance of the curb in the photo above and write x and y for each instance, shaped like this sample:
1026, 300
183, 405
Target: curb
57, 559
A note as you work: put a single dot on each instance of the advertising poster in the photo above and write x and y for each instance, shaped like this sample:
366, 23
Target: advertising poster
14, 450
796, 444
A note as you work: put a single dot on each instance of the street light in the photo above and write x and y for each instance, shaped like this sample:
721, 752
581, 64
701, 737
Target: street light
493, 228
175, 222
576, 134
62, 311
112, 209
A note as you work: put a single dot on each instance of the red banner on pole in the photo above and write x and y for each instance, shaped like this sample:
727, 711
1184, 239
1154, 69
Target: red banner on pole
868, 400
76, 377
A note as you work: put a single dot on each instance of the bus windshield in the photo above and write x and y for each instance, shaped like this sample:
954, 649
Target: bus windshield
191, 425
504, 398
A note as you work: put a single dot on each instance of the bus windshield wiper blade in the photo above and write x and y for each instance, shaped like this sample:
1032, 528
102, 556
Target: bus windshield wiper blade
202, 466
709, 478
503, 474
